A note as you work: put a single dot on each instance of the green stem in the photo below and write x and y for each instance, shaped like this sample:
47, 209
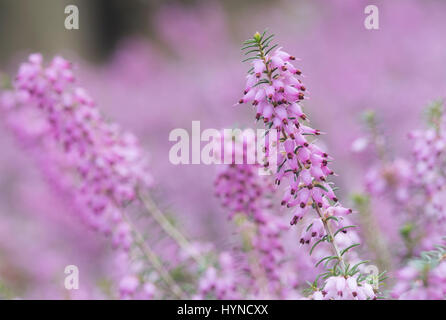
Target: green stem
372, 233
331, 238
155, 261
169, 229
258, 272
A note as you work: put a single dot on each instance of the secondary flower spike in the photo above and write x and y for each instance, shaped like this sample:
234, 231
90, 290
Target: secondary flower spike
92, 164
96, 164
246, 194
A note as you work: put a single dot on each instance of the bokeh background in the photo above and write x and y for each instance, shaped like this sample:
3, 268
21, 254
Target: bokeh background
154, 66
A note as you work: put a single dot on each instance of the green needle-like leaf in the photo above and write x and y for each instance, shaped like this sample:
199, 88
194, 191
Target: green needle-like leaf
343, 228
271, 48
348, 248
317, 242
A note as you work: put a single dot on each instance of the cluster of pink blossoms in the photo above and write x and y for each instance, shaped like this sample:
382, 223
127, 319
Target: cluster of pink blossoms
130, 287
394, 177
220, 283
275, 91
301, 162
418, 183
341, 288
239, 186
93, 164
100, 165
426, 188
423, 278
405, 178
428, 168
244, 192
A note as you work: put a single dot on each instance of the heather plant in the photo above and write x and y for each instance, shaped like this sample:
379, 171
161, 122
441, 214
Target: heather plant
95, 166
415, 184
220, 280
100, 172
415, 188
428, 191
275, 91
